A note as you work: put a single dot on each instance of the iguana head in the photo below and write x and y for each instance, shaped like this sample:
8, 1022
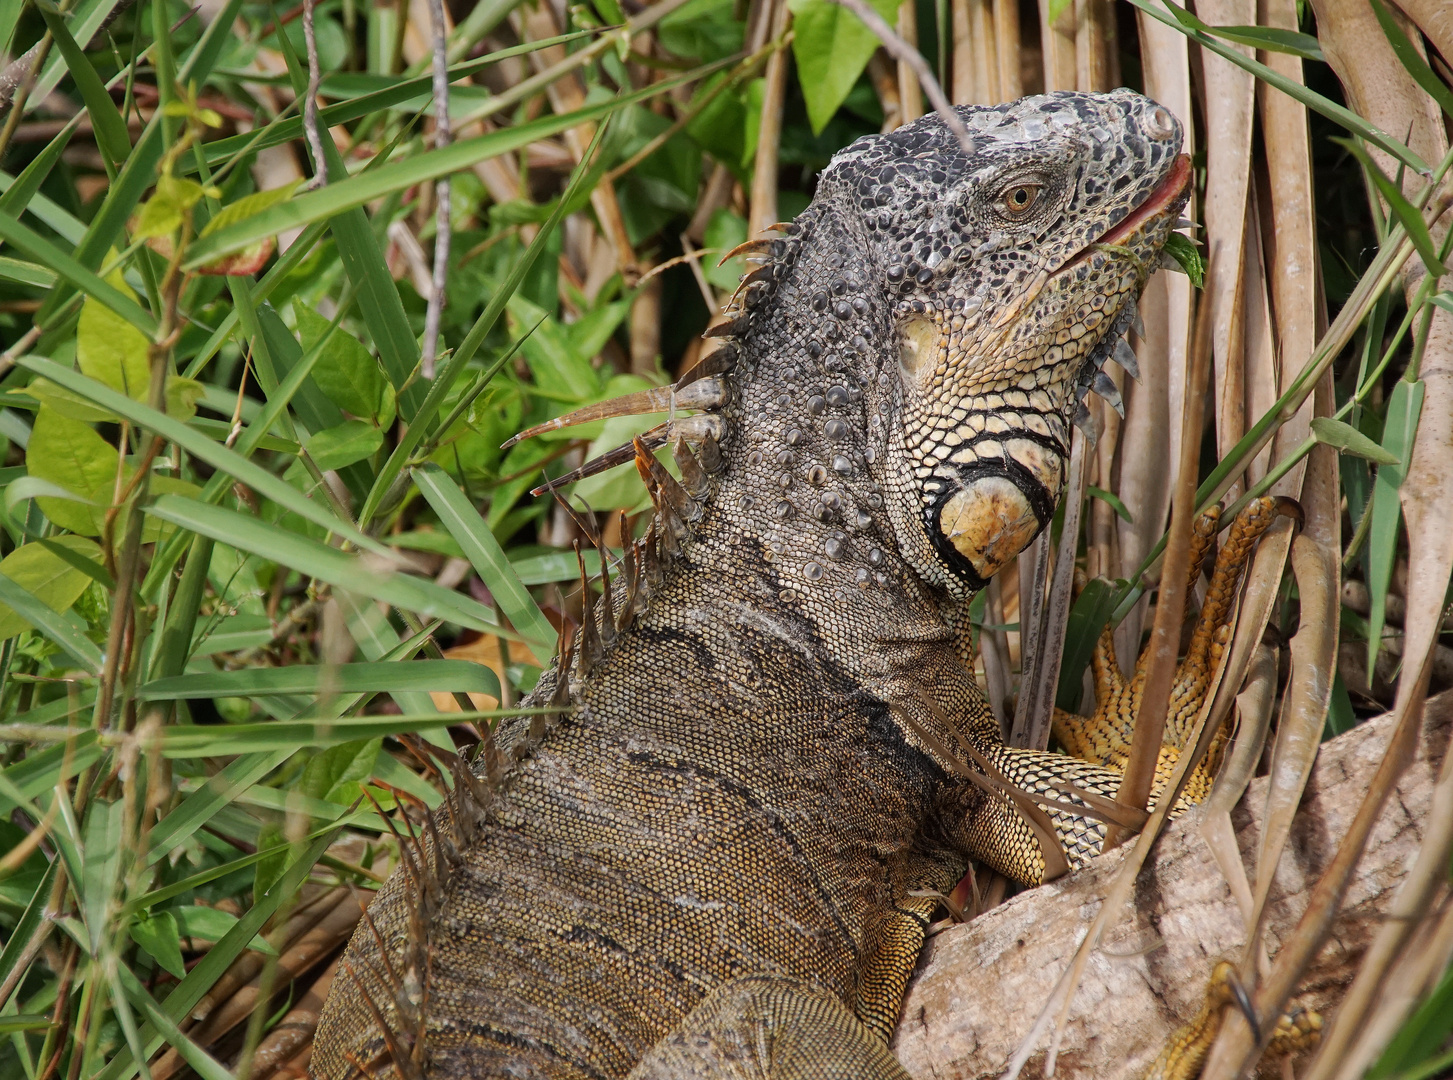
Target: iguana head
1010, 273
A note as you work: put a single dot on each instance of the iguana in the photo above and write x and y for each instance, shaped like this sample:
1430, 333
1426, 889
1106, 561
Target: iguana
721, 855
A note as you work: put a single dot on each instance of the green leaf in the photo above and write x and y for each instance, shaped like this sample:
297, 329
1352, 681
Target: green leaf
250, 259
484, 553
101, 867
168, 207
106, 121
335, 774
1091, 611
69, 454
136, 176
1404, 406
832, 47
67, 267
204, 975
210, 924
58, 398
16, 1022
1349, 440
1121, 510
350, 441
313, 559
462, 676
1408, 215
25, 273
46, 576
345, 371
111, 350
31, 920
158, 936
186, 740
1271, 39
1184, 251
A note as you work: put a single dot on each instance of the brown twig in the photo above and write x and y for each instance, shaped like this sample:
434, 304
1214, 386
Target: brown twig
904, 53
310, 103
442, 191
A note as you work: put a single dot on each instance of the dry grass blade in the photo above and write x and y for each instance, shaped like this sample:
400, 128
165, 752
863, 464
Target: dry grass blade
1314, 654
1171, 604
1230, 98
1041, 681
295, 1030
1254, 706
763, 209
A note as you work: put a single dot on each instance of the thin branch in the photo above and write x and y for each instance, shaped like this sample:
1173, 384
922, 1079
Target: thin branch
441, 190
310, 104
905, 53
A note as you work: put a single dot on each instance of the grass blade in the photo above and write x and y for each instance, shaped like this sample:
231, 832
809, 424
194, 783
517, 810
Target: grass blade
462, 676
54, 626
198, 445
316, 560
484, 553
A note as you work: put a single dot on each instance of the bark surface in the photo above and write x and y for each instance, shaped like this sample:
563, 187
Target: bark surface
979, 986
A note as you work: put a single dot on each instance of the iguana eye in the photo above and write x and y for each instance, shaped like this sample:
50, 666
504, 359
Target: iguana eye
1018, 199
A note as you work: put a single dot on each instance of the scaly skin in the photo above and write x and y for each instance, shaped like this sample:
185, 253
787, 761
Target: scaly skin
709, 861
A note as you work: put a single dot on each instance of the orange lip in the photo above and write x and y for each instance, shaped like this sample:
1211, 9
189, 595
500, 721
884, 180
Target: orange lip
1168, 191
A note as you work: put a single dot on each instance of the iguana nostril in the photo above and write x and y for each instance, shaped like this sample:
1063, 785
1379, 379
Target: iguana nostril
1161, 123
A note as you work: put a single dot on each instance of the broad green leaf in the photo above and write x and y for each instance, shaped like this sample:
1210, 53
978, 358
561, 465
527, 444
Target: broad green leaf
163, 213
462, 676
1349, 440
484, 553
1404, 406
111, 350
832, 47
69, 454
379, 581
345, 371
46, 576
213, 925
350, 441
251, 258
335, 774
59, 399
157, 934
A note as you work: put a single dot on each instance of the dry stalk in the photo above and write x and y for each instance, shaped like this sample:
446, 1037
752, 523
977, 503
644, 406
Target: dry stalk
311, 129
1170, 607
442, 190
763, 208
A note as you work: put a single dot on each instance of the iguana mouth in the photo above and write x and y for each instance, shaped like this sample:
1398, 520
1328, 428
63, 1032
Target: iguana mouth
1165, 199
